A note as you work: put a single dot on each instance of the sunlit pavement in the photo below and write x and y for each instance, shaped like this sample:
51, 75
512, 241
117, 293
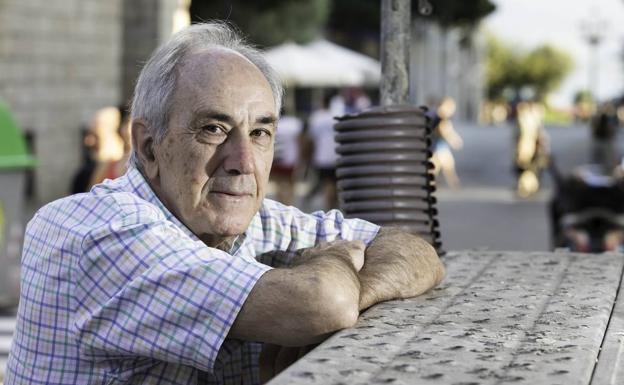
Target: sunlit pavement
7, 324
494, 219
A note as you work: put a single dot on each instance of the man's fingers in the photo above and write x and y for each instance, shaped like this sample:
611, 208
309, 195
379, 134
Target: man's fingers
353, 251
357, 254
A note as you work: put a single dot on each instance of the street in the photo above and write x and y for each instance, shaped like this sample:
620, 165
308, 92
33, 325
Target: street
485, 212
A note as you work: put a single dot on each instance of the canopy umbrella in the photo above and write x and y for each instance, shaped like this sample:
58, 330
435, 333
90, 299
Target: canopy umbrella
322, 64
367, 68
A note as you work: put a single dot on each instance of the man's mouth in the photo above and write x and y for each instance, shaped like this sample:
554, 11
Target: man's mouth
226, 187
231, 193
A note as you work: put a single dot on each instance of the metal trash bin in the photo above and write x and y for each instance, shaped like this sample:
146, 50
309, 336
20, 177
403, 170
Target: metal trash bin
14, 161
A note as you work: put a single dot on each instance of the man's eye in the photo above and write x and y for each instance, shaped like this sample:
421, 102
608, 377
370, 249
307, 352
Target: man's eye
212, 134
212, 129
261, 133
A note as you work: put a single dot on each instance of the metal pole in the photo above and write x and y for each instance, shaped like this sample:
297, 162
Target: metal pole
593, 30
395, 34
594, 70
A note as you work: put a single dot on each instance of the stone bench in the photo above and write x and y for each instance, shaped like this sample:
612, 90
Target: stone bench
498, 317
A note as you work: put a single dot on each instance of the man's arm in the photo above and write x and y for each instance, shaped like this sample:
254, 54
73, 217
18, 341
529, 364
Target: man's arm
302, 304
398, 265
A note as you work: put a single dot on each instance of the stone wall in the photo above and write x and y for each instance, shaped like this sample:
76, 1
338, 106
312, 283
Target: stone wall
59, 63
146, 24
140, 36
62, 60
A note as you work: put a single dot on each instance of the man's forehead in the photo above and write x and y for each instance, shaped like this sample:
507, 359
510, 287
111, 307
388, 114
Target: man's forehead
218, 75
216, 58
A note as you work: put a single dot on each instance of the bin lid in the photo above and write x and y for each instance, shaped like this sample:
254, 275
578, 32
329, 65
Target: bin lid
13, 151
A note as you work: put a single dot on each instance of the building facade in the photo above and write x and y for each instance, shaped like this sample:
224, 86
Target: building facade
62, 60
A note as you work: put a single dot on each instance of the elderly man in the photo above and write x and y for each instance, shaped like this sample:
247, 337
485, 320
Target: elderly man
180, 272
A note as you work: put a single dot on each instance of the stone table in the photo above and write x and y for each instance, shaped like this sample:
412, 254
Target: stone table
498, 317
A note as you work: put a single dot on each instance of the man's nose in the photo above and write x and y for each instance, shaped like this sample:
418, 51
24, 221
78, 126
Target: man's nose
239, 156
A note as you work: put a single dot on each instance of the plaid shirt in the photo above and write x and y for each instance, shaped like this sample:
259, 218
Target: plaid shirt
116, 290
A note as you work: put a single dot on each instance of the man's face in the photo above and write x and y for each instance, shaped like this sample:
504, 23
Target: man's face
214, 162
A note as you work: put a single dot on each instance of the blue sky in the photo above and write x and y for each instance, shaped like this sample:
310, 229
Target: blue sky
530, 23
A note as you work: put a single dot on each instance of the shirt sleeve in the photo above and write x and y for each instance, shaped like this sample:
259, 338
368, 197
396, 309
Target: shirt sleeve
278, 231
144, 288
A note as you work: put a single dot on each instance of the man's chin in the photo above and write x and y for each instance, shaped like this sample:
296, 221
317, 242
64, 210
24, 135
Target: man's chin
223, 227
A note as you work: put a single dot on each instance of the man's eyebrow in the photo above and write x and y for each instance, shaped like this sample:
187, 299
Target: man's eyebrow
216, 115
223, 117
267, 119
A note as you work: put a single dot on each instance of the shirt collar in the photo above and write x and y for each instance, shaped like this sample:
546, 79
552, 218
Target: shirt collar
139, 186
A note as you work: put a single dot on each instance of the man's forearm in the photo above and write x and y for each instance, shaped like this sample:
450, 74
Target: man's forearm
301, 305
398, 265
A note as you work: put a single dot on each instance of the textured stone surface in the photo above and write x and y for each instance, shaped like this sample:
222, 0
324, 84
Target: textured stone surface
610, 366
519, 318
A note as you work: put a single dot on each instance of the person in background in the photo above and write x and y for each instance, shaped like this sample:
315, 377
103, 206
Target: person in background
110, 146
604, 129
286, 157
81, 181
532, 147
105, 150
446, 138
321, 136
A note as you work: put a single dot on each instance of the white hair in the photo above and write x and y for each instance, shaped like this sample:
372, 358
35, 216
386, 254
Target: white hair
155, 86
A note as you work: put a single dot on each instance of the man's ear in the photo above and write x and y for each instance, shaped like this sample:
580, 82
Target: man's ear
143, 142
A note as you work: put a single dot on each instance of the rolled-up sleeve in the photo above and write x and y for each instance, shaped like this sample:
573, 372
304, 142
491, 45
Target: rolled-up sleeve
278, 231
149, 290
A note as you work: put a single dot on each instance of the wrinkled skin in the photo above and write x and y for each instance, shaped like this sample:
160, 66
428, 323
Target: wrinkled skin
212, 167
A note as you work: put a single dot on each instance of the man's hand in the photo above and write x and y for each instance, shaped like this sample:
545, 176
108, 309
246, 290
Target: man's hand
398, 265
339, 261
351, 251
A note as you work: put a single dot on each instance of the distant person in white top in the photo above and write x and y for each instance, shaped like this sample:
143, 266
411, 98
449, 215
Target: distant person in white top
321, 133
349, 101
286, 157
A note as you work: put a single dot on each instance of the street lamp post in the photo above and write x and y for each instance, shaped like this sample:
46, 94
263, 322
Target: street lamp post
395, 36
593, 30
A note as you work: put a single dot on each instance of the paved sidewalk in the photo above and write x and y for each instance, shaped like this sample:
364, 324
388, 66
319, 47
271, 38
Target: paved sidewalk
7, 325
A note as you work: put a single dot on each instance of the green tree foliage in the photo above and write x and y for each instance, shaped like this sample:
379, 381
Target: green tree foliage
511, 69
354, 23
583, 96
545, 68
268, 22
503, 67
454, 13
365, 15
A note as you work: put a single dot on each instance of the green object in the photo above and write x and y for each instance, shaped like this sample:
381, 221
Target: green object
13, 151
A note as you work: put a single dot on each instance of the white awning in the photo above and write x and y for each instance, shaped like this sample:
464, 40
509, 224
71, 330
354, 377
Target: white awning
323, 64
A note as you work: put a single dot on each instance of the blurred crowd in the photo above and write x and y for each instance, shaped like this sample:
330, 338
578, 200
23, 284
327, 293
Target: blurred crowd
304, 164
106, 148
